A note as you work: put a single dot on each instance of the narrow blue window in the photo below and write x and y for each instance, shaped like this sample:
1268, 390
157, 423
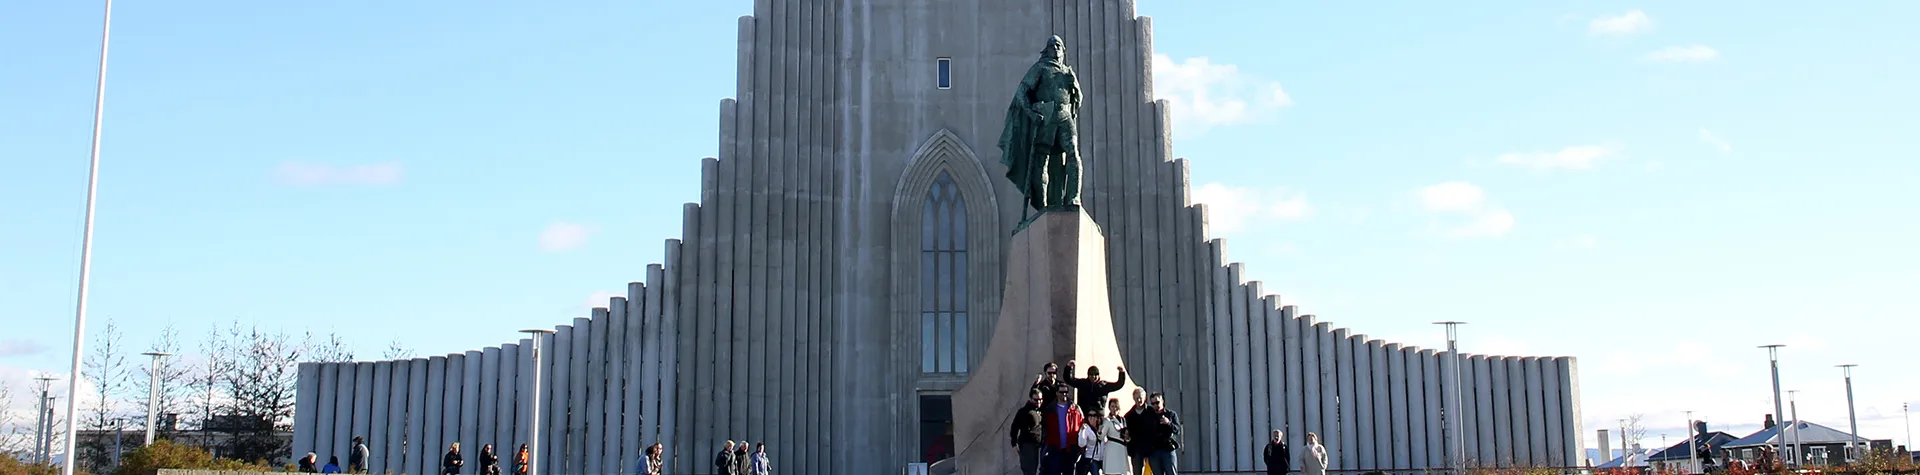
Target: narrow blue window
946, 73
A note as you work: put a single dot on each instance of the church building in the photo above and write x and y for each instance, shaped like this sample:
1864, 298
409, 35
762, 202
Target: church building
843, 266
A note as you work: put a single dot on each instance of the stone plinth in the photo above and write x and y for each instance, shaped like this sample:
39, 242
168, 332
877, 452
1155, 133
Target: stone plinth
1054, 309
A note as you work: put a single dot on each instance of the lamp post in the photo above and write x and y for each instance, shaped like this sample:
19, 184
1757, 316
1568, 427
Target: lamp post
1454, 410
86, 241
43, 424
1793, 405
1693, 448
1773, 358
533, 414
1853, 424
153, 392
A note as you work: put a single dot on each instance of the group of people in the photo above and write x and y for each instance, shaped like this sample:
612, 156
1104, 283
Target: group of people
357, 455
652, 460
1070, 426
733, 459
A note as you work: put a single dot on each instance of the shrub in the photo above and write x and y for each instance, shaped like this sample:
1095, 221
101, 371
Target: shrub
166, 454
14, 466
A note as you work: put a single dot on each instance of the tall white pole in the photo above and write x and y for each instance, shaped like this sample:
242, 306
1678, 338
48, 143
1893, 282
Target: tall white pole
1793, 405
1779, 416
153, 392
1693, 448
1454, 411
1853, 424
533, 415
86, 241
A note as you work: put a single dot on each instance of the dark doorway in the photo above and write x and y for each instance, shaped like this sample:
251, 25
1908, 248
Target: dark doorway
936, 427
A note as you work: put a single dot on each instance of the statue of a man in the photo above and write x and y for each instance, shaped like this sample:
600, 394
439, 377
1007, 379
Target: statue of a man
1040, 144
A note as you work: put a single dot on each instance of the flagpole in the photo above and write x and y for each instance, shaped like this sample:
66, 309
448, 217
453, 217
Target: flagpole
86, 244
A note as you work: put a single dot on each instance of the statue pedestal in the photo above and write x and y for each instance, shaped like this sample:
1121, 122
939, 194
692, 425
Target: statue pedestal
1054, 309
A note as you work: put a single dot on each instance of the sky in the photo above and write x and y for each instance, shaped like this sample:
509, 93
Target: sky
1654, 188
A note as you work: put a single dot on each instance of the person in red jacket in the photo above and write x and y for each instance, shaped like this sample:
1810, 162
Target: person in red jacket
1061, 423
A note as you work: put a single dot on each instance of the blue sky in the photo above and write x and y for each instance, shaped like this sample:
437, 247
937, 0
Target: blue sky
1655, 188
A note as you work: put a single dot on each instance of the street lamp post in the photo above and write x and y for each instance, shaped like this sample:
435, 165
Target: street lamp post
1773, 358
1693, 449
43, 425
1454, 410
153, 392
1853, 424
1793, 405
533, 414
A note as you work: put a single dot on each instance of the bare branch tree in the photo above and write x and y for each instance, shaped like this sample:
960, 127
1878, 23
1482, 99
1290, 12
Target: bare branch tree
13, 437
1633, 430
262, 385
331, 350
107, 373
396, 351
207, 392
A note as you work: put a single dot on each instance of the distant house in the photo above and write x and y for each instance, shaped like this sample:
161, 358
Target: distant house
1631, 458
1681, 454
1807, 442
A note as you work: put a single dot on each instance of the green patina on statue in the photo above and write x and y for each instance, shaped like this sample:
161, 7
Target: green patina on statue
1040, 144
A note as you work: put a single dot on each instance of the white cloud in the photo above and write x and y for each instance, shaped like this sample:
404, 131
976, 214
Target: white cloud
1578, 157
1229, 208
1715, 141
310, 174
1581, 242
1684, 54
1474, 216
1633, 21
1203, 94
561, 236
600, 299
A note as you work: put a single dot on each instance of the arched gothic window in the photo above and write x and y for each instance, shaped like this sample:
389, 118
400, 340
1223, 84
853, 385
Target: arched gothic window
943, 279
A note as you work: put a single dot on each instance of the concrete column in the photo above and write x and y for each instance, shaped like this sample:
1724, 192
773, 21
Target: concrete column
1294, 374
1502, 395
328, 402
1364, 409
470, 415
1469, 412
555, 351
1329, 393
1537, 435
418, 451
593, 422
1550, 387
504, 404
1397, 403
1417, 408
306, 408
1254, 419
452, 406
612, 394
579, 379
524, 398
667, 372
1483, 421
1382, 406
376, 435
343, 411
362, 408
432, 443
1343, 443
639, 394
1242, 374
1222, 355
1313, 396
392, 451
1517, 418
1426, 421
1278, 386
1570, 421
489, 403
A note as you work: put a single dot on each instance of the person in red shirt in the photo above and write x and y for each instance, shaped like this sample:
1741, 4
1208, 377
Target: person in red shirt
1060, 423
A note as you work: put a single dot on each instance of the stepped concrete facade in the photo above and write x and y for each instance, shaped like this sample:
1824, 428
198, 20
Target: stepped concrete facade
840, 273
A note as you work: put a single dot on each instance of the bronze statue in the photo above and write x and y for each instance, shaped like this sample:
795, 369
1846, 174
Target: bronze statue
1040, 144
